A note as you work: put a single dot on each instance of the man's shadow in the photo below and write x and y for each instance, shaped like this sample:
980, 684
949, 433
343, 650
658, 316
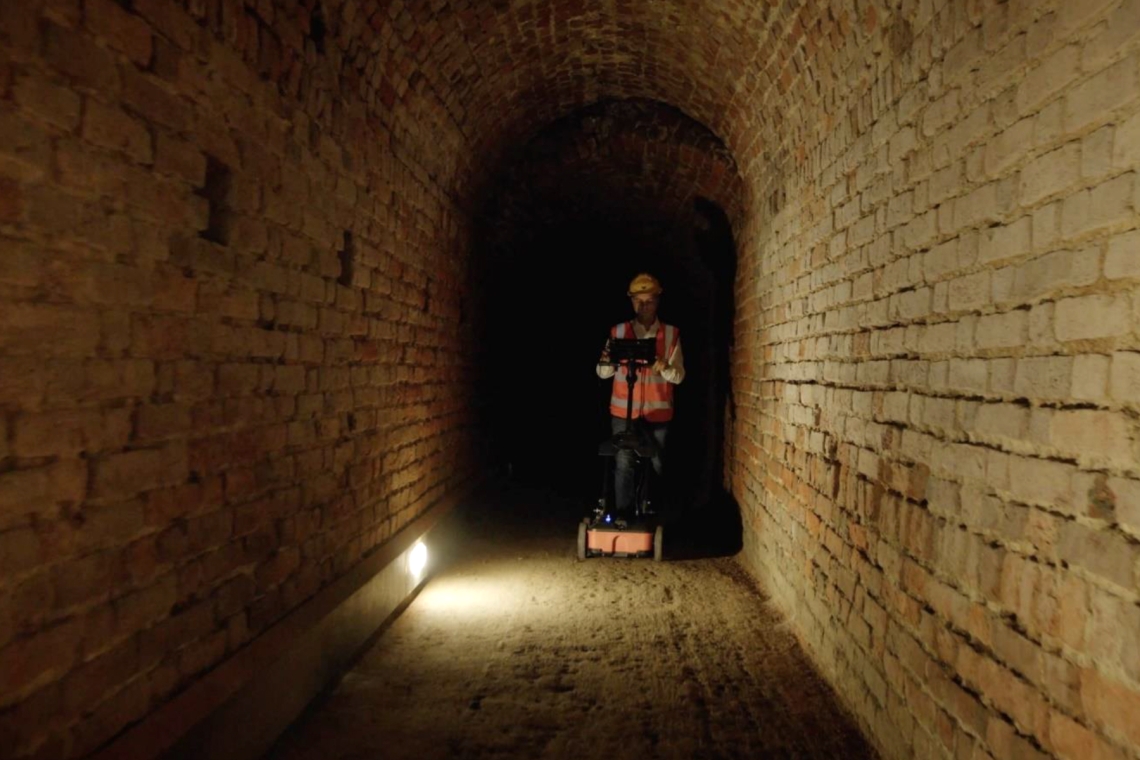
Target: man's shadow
704, 531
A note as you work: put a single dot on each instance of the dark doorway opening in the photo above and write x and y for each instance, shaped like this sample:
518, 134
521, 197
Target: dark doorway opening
554, 257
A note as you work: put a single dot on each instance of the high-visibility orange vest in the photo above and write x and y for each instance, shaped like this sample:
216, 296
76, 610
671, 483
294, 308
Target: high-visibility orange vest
652, 393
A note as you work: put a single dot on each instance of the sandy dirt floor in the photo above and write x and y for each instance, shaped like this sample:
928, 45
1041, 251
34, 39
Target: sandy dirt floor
514, 649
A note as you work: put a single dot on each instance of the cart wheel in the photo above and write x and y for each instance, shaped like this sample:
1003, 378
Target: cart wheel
658, 543
582, 540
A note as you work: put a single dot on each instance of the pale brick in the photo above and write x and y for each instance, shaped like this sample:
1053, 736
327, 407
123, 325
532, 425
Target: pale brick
1051, 174
1046, 377
1050, 77
1119, 33
1091, 317
1002, 375
1090, 377
1007, 241
1049, 126
969, 374
999, 68
1055, 272
1094, 436
971, 292
1095, 99
1038, 481
1096, 155
1041, 333
1127, 499
1046, 226
1105, 554
1002, 421
1123, 259
1002, 330
937, 339
1007, 148
1126, 144
1108, 204
1124, 377
1002, 285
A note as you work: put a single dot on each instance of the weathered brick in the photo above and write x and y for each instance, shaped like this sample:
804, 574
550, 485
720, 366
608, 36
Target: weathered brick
74, 54
1044, 81
54, 103
1054, 272
131, 472
39, 659
123, 31
1095, 435
1002, 330
1126, 144
1110, 704
1075, 742
1090, 317
1097, 97
1090, 377
1123, 259
1007, 148
68, 433
1124, 377
112, 128
1051, 174
1108, 204
1044, 377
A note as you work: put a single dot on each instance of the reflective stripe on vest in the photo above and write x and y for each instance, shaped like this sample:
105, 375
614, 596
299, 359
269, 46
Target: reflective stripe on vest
652, 393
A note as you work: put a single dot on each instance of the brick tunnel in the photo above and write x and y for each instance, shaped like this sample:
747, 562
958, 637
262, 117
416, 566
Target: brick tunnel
287, 287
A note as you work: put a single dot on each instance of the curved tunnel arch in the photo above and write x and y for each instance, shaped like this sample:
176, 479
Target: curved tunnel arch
492, 75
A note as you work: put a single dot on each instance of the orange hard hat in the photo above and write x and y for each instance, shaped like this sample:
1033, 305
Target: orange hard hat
644, 283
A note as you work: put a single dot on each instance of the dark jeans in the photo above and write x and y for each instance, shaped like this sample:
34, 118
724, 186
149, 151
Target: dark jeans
623, 473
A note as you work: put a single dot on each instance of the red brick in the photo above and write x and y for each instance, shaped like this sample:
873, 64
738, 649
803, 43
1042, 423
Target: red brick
11, 201
38, 659
149, 99
76, 55
25, 148
41, 489
127, 705
20, 550
113, 128
135, 471
88, 684
1111, 704
71, 432
124, 32
1073, 741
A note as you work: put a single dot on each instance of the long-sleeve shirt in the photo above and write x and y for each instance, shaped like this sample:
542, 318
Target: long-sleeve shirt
673, 372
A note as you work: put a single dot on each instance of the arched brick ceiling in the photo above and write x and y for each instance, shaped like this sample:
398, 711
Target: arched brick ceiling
620, 161
475, 77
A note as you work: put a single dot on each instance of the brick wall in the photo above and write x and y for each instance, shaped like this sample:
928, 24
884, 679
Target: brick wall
936, 381
229, 357
235, 253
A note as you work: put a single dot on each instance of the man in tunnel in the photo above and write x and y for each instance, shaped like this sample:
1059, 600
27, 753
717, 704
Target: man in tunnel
653, 392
